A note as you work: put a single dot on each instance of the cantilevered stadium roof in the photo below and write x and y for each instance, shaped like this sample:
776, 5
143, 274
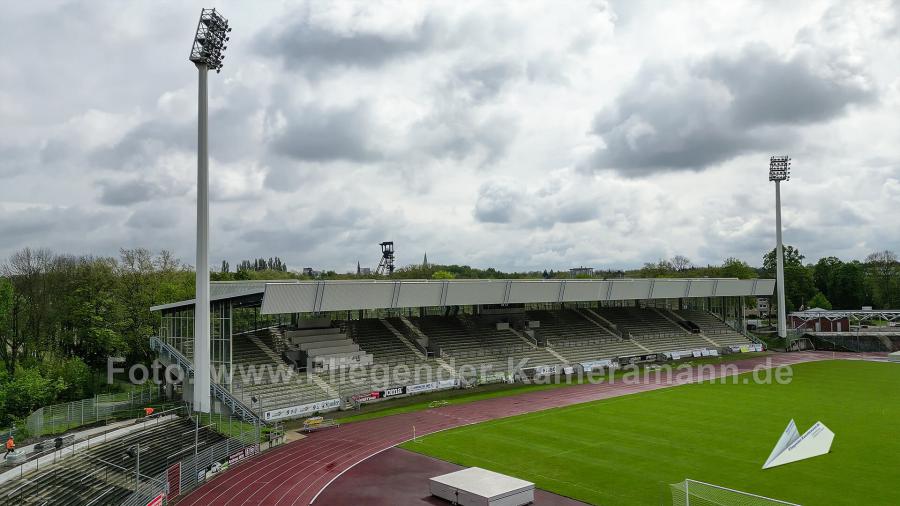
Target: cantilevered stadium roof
280, 297
224, 290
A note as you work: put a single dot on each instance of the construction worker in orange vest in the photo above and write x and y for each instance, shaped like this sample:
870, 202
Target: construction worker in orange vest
10, 446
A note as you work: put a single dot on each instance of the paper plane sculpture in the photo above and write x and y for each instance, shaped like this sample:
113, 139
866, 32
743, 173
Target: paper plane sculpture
793, 447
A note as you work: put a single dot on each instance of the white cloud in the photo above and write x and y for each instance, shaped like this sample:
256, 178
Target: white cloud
456, 128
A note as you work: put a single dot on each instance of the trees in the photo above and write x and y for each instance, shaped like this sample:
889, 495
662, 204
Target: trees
842, 283
9, 335
798, 286
735, 268
792, 256
442, 275
820, 301
849, 289
883, 272
28, 272
259, 264
680, 263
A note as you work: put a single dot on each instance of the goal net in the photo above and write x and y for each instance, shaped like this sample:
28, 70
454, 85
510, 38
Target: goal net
698, 493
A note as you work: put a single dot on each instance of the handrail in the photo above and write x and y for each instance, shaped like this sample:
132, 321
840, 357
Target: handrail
233, 403
746, 334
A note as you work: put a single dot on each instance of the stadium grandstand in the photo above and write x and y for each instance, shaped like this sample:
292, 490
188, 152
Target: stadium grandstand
290, 349
284, 350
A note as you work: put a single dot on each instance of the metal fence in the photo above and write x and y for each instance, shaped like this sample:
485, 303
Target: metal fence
62, 417
183, 476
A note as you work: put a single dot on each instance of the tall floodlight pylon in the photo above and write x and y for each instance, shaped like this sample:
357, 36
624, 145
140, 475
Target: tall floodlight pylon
779, 170
207, 53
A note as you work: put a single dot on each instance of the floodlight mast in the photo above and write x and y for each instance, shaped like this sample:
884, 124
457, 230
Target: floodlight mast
207, 54
779, 170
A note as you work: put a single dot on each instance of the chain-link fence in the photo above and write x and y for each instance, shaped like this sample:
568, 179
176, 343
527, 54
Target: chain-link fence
62, 417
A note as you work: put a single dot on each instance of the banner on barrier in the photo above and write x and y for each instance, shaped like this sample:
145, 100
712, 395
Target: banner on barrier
241, 455
422, 387
745, 349
704, 352
366, 397
390, 392
448, 383
596, 364
639, 358
696, 354
493, 377
302, 410
545, 370
713, 353
431, 386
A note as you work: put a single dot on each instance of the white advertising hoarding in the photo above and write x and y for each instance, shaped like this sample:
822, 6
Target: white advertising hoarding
302, 410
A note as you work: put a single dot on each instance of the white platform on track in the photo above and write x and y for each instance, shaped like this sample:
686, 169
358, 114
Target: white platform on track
479, 487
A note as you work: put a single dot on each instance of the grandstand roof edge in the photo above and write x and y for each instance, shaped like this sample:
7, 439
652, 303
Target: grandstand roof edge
340, 295
626, 288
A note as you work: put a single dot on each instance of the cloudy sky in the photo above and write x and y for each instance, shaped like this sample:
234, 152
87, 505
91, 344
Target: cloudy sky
520, 135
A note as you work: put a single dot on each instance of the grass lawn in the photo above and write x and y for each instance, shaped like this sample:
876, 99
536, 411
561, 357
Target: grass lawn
628, 449
422, 402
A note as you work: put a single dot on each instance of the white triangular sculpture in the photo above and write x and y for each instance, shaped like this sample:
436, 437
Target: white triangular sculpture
792, 447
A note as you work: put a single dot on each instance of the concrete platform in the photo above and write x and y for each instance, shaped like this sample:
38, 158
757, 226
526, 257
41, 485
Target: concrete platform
397, 476
481, 487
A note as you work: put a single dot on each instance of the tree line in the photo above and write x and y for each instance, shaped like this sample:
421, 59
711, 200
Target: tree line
830, 283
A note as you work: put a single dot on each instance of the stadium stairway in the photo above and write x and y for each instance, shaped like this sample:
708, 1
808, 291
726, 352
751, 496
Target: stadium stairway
274, 384
714, 328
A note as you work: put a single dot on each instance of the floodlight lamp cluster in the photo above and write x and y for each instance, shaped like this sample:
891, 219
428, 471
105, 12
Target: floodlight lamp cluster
780, 168
209, 42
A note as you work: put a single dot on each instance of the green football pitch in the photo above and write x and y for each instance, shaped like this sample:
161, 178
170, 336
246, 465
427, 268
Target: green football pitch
626, 450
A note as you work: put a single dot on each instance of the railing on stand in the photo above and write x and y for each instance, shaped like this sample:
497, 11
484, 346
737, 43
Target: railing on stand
234, 404
63, 417
746, 334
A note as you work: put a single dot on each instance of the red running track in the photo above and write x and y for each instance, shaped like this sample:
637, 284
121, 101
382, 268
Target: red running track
295, 473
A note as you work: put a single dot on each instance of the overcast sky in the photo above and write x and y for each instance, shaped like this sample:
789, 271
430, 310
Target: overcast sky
519, 135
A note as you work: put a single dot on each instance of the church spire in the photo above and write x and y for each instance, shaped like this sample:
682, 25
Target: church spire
425, 260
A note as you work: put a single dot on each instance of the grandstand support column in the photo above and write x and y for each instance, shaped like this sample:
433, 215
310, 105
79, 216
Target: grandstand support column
201, 306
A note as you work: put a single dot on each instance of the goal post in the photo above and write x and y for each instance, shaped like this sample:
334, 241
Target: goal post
697, 493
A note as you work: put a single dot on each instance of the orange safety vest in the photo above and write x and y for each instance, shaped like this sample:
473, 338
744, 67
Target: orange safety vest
10, 444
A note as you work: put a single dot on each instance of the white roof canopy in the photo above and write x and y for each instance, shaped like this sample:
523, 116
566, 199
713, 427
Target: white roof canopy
292, 296
316, 296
